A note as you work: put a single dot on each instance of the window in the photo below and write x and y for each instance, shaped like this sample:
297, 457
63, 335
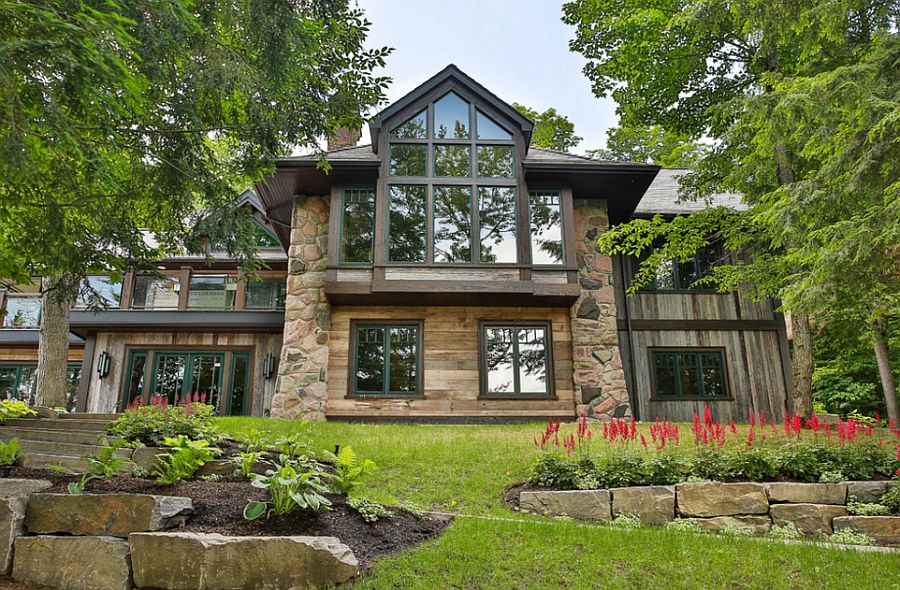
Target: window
545, 210
264, 237
266, 294
681, 276
99, 291
212, 292
689, 373
358, 226
22, 312
387, 359
516, 360
18, 382
155, 292
451, 187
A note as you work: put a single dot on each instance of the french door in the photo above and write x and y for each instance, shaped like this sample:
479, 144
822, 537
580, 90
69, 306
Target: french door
188, 375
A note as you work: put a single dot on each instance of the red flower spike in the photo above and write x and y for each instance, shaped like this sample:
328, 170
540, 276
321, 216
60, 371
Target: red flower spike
733, 427
643, 441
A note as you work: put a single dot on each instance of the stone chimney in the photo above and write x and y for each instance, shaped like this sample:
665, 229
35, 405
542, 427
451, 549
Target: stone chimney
343, 138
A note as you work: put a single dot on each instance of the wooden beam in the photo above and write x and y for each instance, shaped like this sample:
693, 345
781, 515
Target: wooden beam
699, 325
184, 287
87, 371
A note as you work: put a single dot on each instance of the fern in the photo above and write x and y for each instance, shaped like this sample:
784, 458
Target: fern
350, 471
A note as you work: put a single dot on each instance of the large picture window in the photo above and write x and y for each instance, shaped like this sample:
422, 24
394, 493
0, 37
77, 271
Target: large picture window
691, 373
22, 312
386, 359
516, 360
19, 382
357, 226
451, 187
99, 292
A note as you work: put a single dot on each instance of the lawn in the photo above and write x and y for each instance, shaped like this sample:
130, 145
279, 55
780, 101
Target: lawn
465, 469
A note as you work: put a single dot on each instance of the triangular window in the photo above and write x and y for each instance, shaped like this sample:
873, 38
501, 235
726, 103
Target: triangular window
488, 129
413, 128
451, 117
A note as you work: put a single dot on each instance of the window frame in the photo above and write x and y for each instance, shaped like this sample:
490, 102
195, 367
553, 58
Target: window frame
564, 197
483, 393
635, 263
353, 357
18, 366
684, 350
339, 254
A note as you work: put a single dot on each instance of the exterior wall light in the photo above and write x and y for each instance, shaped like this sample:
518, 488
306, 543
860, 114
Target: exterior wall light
103, 362
268, 368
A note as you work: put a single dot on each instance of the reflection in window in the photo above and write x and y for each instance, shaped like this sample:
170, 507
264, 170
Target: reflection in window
516, 360
452, 160
408, 159
358, 226
22, 312
18, 382
497, 224
240, 379
546, 228
212, 292
387, 360
155, 292
264, 237
266, 294
452, 224
413, 128
451, 117
99, 292
674, 275
689, 374
495, 161
406, 223
488, 129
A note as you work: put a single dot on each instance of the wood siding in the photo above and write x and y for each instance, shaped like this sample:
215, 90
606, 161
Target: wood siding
451, 364
16, 355
104, 395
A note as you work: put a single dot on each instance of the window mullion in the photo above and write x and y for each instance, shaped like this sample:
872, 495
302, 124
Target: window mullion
700, 374
676, 362
517, 387
387, 360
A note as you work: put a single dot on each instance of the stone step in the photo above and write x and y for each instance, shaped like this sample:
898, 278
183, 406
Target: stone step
70, 449
45, 460
50, 424
87, 416
82, 437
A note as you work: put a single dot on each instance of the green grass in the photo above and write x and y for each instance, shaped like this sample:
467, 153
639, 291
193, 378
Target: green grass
465, 470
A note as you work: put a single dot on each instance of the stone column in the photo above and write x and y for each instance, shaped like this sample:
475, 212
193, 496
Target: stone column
599, 378
300, 390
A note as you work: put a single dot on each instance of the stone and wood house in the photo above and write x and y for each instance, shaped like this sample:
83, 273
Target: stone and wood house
446, 271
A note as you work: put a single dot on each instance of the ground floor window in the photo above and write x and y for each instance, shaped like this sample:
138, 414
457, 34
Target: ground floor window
220, 378
19, 381
689, 373
516, 359
386, 358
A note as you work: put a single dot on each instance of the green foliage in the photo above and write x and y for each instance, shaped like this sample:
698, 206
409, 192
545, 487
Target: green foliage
620, 470
186, 457
153, 424
832, 477
664, 469
850, 537
733, 530
102, 465
552, 471
295, 483
653, 145
245, 461
295, 444
10, 408
684, 525
626, 521
350, 471
711, 464
551, 129
857, 508
847, 385
804, 461
754, 464
368, 510
891, 498
10, 452
786, 531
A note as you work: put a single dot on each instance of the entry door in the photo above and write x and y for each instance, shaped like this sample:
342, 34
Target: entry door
181, 375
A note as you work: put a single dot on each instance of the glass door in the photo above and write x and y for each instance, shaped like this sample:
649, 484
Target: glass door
205, 382
188, 375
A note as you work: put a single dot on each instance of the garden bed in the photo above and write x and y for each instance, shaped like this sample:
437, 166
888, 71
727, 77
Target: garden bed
219, 505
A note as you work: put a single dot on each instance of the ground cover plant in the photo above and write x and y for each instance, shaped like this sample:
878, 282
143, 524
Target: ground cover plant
11, 408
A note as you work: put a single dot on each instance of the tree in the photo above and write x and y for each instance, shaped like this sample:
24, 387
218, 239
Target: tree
121, 120
725, 70
551, 129
651, 144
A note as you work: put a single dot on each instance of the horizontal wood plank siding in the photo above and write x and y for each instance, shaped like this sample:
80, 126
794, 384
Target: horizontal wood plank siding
451, 364
14, 355
451, 274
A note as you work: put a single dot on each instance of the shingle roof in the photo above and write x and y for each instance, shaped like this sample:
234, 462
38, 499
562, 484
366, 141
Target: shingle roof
546, 156
662, 196
353, 153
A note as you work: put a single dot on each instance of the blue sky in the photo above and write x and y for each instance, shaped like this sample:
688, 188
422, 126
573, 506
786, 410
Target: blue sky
516, 48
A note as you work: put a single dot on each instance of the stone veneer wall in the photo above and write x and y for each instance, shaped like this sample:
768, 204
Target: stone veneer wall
599, 378
302, 371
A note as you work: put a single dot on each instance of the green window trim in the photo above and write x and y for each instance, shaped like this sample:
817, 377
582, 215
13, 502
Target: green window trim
515, 362
706, 366
356, 196
356, 330
9, 388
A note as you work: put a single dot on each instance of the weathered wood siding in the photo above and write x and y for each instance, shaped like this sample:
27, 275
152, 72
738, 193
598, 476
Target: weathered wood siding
104, 395
16, 355
756, 378
451, 364
693, 306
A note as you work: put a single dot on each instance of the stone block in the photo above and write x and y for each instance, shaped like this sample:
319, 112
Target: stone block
868, 491
652, 504
73, 563
884, 529
147, 457
12, 519
115, 515
580, 504
22, 487
807, 493
209, 561
756, 525
705, 499
810, 519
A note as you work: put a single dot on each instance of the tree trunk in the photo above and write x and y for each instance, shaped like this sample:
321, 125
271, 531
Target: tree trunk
802, 364
53, 349
879, 327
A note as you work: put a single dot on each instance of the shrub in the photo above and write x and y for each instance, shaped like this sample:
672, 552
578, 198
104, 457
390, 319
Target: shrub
186, 457
10, 408
850, 537
665, 469
864, 509
350, 471
802, 461
861, 461
294, 484
711, 463
891, 498
368, 510
153, 424
551, 471
620, 470
754, 464
10, 452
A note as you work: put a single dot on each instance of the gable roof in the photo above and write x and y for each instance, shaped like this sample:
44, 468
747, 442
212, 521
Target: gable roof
451, 72
662, 196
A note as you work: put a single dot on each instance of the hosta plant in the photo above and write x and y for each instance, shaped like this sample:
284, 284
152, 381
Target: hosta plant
245, 461
183, 461
11, 408
294, 483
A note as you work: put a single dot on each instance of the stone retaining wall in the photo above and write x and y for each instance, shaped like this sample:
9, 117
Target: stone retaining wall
814, 508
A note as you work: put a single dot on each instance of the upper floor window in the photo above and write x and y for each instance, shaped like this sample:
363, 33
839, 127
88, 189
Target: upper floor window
99, 291
675, 275
264, 237
545, 214
22, 312
357, 226
155, 292
212, 292
266, 294
451, 188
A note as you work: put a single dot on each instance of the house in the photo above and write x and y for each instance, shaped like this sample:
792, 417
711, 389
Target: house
446, 271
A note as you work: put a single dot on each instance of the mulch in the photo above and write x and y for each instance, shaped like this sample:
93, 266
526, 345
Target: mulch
219, 506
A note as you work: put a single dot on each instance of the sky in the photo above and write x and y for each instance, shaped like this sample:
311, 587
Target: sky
518, 49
